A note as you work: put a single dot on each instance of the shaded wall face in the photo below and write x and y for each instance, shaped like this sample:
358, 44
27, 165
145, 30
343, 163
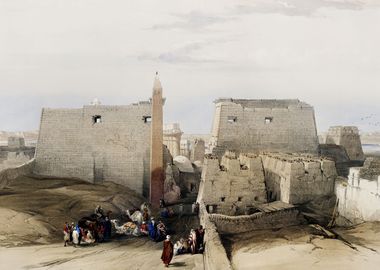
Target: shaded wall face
189, 182
349, 139
264, 129
96, 143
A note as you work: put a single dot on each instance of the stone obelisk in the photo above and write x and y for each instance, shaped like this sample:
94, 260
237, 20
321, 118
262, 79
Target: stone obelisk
157, 176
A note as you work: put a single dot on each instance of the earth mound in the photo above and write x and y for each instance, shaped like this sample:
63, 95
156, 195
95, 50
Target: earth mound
33, 210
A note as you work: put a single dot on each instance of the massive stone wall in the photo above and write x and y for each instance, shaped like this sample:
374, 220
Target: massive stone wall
298, 179
232, 185
263, 125
349, 138
97, 143
359, 198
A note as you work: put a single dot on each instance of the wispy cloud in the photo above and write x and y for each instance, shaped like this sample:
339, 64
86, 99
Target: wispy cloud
298, 7
193, 20
183, 54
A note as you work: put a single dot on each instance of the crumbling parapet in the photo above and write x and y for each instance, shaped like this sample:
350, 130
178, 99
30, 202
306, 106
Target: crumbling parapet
257, 221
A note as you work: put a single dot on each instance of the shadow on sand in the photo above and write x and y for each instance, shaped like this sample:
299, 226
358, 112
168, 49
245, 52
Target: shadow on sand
178, 264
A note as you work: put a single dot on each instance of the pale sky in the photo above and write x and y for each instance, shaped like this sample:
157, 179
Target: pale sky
64, 53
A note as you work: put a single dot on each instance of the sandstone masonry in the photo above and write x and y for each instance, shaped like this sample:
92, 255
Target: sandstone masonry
97, 143
243, 125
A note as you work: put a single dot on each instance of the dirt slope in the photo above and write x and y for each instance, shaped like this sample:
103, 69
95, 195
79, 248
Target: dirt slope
33, 210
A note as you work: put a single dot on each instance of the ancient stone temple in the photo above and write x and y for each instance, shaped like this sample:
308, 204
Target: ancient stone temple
97, 143
157, 176
249, 125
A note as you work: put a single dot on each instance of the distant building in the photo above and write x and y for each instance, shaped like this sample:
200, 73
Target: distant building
16, 142
347, 137
172, 138
185, 148
15, 153
198, 150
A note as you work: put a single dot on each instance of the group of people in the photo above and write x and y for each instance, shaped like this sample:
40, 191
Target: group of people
76, 235
98, 227
95, 228
157, 231
194, 244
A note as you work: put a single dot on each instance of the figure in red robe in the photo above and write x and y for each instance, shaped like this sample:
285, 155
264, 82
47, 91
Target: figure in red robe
167, 252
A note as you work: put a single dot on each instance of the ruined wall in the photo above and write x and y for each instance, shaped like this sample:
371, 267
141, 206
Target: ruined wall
16, 142
263, 125
198, 150
8, 175
96, 143
231, 185
11, 157
359, 198
215, 256
258, 221
298, 179
349, 138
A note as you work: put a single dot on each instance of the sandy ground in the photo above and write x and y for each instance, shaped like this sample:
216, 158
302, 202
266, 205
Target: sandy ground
32, 214
299, 248
34, 210
128, 253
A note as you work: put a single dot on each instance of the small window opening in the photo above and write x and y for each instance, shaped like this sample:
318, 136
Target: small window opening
239, 199
268, 120
147, 119
243, 167
96, 119
257, 198
232, 119
222, 199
